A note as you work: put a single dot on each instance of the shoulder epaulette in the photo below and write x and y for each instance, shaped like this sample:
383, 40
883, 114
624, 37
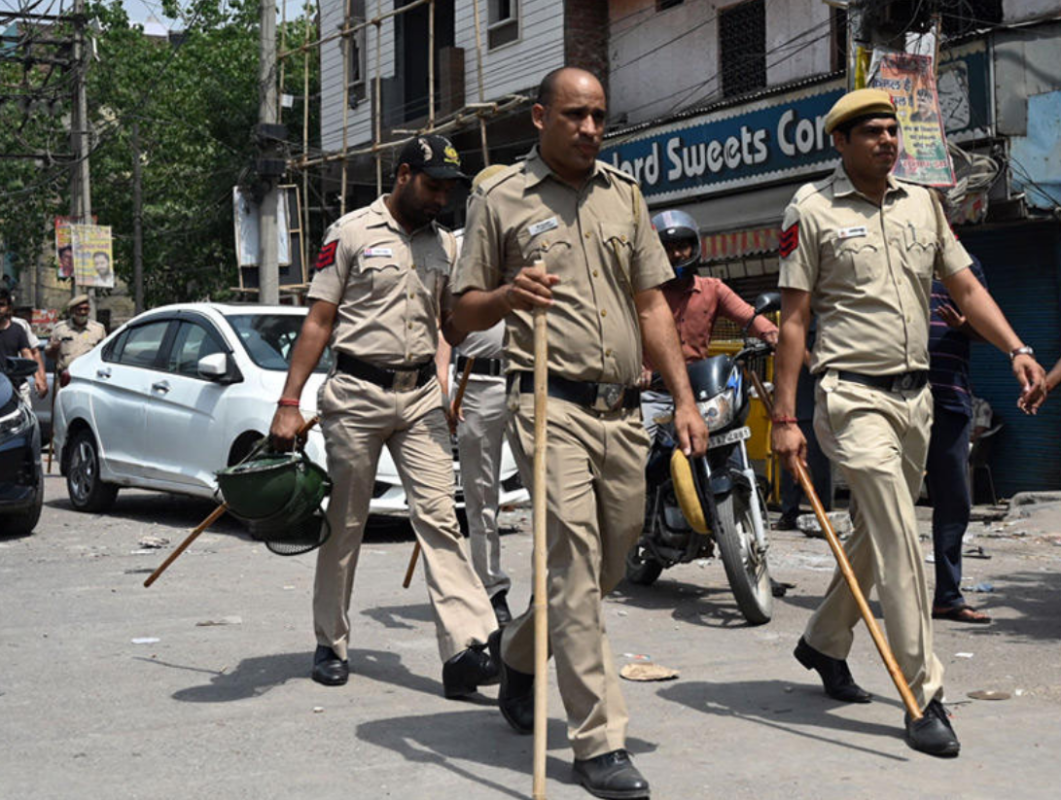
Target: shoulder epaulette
503, 175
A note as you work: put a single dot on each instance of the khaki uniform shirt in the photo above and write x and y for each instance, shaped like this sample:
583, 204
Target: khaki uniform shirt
869, 271
74, 342
598, 239
390, 286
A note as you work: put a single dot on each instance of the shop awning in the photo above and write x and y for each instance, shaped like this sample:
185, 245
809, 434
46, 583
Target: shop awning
737, 244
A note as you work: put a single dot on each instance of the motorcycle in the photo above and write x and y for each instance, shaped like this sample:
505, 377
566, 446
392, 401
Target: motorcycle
694, 505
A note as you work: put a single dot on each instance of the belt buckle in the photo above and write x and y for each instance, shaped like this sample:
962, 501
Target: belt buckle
609, 396
903, 383
405, 380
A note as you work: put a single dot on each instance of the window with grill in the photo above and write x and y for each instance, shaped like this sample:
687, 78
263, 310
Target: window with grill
355, 55
502, 22
742, 47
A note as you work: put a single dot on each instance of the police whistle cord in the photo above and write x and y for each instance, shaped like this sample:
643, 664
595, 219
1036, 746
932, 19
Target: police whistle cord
453, 413
216, 514
539, 499
912, 708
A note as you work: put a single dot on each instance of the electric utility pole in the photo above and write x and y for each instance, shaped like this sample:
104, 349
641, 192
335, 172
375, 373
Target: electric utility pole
81, 195
138, 220
268, 136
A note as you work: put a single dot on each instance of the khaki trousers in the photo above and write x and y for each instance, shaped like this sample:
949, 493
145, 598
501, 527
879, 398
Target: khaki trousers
358, 418
479, 439
880, 441
596, 504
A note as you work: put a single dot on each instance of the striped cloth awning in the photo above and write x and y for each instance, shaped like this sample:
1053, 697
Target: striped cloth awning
727, 246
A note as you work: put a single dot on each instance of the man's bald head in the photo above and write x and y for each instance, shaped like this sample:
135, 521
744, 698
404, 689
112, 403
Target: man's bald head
547, 88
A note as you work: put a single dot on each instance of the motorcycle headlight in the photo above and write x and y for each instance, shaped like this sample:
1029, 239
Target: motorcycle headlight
17, 422
718, 412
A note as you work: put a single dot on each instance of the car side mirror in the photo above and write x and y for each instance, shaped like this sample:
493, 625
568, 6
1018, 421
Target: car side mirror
218, 368
17, 367
767, 302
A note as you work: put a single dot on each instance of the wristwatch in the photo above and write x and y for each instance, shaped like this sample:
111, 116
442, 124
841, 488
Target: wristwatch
1023, 350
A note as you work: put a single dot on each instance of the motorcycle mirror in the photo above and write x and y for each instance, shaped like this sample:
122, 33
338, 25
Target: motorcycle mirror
17, 367
767, 302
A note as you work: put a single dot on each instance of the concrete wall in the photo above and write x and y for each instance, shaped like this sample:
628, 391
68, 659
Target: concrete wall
662, 61
509, 69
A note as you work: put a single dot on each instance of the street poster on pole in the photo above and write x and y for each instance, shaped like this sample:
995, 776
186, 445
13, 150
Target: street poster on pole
64, 251
93, 256
911, 81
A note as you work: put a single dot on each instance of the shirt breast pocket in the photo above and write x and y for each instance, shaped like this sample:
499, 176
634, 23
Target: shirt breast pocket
862, 256
618, 241
920, 247
552, 247
375, 275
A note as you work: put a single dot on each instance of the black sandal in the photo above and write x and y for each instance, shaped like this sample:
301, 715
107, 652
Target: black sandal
962, 613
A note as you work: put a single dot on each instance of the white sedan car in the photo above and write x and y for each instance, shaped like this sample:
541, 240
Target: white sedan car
182, 391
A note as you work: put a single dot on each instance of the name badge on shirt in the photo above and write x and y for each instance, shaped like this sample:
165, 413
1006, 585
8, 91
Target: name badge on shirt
382, 252
851, 233
543, 226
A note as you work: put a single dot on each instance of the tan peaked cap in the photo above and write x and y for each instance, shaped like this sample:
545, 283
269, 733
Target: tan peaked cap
485, 174
77, 300
859, 103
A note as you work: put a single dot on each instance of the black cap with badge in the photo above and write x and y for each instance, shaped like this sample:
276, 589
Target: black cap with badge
434, 155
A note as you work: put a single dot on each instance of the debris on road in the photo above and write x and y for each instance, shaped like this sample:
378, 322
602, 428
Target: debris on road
146, 640
234, 620
648, 672
989, 694
963, 655
153, 542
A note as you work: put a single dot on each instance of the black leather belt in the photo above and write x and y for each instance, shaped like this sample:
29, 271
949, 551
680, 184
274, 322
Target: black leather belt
594, 396
398, 380
481, 366
903, 382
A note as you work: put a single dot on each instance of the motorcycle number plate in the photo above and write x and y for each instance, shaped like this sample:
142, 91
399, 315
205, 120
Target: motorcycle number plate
729, 437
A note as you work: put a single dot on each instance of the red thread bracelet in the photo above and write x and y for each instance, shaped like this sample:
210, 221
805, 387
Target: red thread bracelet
785, 421
288, 401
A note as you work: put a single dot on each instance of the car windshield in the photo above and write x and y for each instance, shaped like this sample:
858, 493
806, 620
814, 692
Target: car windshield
269, 339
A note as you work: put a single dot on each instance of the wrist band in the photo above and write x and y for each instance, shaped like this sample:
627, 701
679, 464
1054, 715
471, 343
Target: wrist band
785, 421
288, 401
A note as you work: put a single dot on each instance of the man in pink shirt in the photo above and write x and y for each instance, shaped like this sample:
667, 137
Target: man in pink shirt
695, 302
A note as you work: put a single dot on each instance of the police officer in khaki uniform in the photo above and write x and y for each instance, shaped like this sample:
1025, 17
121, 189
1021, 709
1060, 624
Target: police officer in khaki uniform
858, 250
603, 264
74, 337
379, 291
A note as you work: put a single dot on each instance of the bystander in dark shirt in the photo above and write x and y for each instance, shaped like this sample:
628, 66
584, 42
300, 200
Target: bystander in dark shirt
12, 342
949, 352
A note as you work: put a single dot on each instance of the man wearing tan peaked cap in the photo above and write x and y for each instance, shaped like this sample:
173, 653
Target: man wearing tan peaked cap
858, 250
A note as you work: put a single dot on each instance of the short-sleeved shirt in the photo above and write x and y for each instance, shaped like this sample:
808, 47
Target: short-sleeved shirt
74, 342
869, 270
697, 304
484, 344
390, 286
31, 337
597, 238
12, 342
948, 351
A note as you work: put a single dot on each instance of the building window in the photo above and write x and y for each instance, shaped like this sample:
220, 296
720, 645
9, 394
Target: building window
742, 47
663, 5
356, 56
838, 39
502, 22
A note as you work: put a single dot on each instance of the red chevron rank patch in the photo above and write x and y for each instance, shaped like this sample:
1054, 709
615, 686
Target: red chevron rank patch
326, 257
789, 240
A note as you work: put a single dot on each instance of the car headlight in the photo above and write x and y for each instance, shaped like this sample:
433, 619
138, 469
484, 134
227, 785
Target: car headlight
17, 422
718, 412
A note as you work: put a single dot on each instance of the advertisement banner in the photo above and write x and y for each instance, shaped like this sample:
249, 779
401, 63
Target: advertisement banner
911, 81
43, 321
64, 251
93, 256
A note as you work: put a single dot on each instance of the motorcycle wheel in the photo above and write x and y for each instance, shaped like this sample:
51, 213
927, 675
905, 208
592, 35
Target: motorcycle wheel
748, 573
640, 569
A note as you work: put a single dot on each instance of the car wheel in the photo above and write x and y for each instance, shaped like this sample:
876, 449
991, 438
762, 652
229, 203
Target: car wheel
87, 492
23, 523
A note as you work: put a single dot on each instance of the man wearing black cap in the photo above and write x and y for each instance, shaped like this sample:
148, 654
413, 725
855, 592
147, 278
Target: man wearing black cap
380, 289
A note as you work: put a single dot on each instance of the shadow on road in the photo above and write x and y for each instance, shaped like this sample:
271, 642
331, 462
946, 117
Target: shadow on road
767, 703
393, 616
1033, 595
451, 739
710, 607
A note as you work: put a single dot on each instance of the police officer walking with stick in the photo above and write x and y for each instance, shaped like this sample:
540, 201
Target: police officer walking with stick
379, 291
603, 263
859, 249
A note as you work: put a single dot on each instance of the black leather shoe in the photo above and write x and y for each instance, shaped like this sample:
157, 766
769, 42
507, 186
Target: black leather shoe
612, 775
500, 604
468, 670
933, 733
516, 696
328, 668
787, 522
836, 677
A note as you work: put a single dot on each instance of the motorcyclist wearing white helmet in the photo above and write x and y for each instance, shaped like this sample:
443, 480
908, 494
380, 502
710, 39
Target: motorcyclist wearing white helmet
695, 301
